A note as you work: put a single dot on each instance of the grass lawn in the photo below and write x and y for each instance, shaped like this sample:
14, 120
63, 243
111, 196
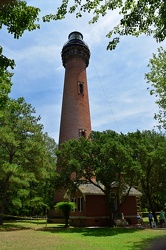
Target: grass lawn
32, 236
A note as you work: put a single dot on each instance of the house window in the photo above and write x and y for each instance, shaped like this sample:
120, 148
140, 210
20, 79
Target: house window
80, 204
75, 201
80, 88
82, 133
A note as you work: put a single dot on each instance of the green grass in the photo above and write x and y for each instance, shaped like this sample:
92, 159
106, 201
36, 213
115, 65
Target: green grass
31, 235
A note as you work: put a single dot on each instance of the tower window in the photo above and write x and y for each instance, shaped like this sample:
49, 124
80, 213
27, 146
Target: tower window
82, 132
80, 88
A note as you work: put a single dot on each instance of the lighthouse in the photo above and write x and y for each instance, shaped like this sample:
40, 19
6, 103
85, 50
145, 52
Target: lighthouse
75, 114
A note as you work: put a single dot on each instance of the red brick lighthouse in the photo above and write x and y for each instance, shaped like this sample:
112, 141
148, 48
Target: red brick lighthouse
75, 115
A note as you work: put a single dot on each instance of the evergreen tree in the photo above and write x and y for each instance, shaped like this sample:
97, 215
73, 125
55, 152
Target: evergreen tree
27, 159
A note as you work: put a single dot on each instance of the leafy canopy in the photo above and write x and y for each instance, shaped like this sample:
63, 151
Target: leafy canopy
104, 160
157, 79
5, 78
150, 152
17, 17
65, 208
137, 16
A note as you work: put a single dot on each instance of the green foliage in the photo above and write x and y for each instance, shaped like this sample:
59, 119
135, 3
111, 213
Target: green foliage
108, 159
157, 79
5, 79
150, 152
137, 17
112, 155
17, 17
105, 160
65, 208
105, 153
27, 160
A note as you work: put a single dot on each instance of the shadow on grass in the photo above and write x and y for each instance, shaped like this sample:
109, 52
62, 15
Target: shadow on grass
12, 227
29, 224
95, 232
148, 243
59, 228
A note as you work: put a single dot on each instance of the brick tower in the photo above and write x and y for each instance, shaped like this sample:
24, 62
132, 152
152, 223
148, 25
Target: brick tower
75, 115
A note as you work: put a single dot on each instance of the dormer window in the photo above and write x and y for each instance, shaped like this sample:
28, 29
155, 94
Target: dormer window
80, 88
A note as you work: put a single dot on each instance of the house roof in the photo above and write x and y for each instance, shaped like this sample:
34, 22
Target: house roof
133, 191
91, 189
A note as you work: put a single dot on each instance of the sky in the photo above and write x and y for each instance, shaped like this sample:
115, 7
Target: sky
118, 95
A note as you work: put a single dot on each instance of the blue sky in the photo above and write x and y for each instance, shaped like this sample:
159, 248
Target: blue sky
118, 95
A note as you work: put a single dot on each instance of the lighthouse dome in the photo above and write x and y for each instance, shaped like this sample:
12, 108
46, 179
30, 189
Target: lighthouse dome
75, 46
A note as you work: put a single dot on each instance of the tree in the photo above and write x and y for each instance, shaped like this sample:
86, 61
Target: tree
104, 160
5, 78
17, 17
150, 152
137, 17
27, 158
40, 192
157, 79
65, 208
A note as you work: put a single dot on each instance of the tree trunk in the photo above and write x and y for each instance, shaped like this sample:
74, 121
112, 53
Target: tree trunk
153, 211
66, 222
111, 220
1, 219
4, 197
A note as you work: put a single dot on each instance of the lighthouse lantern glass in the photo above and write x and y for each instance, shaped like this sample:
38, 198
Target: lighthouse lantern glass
75, 35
